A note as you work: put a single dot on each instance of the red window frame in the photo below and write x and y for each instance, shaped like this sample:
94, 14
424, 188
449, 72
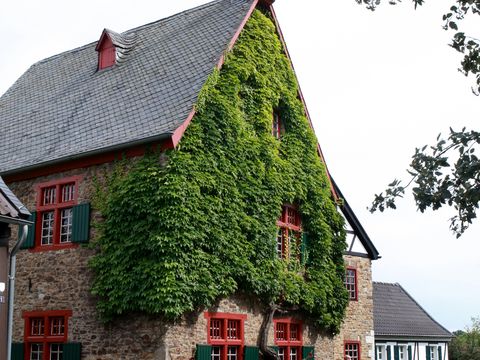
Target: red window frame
224, 340
348, 347
47, 338
286, 342
277, 126
289, 223
56, 208
352, 288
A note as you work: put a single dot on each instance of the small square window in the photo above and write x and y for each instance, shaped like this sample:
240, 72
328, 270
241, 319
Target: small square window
352, 351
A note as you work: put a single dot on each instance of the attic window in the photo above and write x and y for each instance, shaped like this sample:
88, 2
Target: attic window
113, 48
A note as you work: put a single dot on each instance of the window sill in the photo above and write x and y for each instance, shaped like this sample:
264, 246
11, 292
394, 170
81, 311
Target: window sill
54, 247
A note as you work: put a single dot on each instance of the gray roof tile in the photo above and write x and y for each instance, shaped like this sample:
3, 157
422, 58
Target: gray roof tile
62, 107
9, 196
396, 313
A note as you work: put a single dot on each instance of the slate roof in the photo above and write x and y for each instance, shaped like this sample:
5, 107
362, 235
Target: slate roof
397, 314
63, 107
8, 200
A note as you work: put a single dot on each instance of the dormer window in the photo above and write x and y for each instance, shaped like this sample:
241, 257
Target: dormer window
106, 54
113, 48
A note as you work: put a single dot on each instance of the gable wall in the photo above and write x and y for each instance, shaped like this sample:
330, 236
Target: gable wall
60, 280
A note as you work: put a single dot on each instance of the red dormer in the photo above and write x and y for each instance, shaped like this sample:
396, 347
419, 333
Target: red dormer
106, 51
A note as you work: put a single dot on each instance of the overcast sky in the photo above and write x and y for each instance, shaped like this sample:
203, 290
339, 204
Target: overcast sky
377, 85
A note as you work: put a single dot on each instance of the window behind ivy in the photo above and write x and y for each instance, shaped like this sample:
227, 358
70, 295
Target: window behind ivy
288, 236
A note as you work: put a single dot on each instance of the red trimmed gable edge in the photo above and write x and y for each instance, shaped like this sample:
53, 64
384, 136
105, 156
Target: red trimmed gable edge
172, 140
178, 134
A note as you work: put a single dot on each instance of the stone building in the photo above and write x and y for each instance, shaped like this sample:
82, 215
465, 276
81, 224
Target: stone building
79, 111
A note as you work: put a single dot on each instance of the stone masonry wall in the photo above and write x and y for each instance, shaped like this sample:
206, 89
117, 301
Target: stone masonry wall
60, 280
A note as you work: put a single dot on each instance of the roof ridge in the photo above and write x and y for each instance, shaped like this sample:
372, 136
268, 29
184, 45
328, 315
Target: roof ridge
421, 308
208, 4
126, 32
386, 283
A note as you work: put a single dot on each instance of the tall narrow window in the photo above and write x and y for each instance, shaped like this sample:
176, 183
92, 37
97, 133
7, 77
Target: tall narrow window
351, 283
225, 334
277, 126
288, 232
380, 352
288, 338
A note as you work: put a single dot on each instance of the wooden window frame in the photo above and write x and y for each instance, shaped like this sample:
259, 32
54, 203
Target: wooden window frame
277, 126
381, 349
287, 344
57, 208
224, 343
352, 342
287, 227
46, 339
352, 295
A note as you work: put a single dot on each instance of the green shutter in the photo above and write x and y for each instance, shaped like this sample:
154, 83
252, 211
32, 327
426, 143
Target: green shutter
274, 349
204, 352
376, 352
396, 352
17, 351
81, 223
389, 352
409, 352
427, 351
308, 352
30, 240
251, 353
439, 353
304, 249
72, 351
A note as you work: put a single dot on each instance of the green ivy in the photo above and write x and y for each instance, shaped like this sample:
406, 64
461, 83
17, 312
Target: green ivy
196, 224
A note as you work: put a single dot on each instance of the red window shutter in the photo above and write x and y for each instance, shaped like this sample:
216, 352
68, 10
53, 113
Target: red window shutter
106, 57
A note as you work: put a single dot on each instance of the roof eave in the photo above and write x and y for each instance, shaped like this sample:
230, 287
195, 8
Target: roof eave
357, 226
419, 338
165, 137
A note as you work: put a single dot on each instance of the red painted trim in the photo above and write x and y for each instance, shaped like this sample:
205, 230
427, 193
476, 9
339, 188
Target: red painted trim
178, 133
45, 339
57, 206
234, 39
231, 316
300, 94
225, 342
352, 342
84, 162
288, 321
288, 344
356, 283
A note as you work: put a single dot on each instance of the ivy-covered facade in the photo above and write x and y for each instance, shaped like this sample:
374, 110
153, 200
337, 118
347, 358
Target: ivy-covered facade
220, 237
